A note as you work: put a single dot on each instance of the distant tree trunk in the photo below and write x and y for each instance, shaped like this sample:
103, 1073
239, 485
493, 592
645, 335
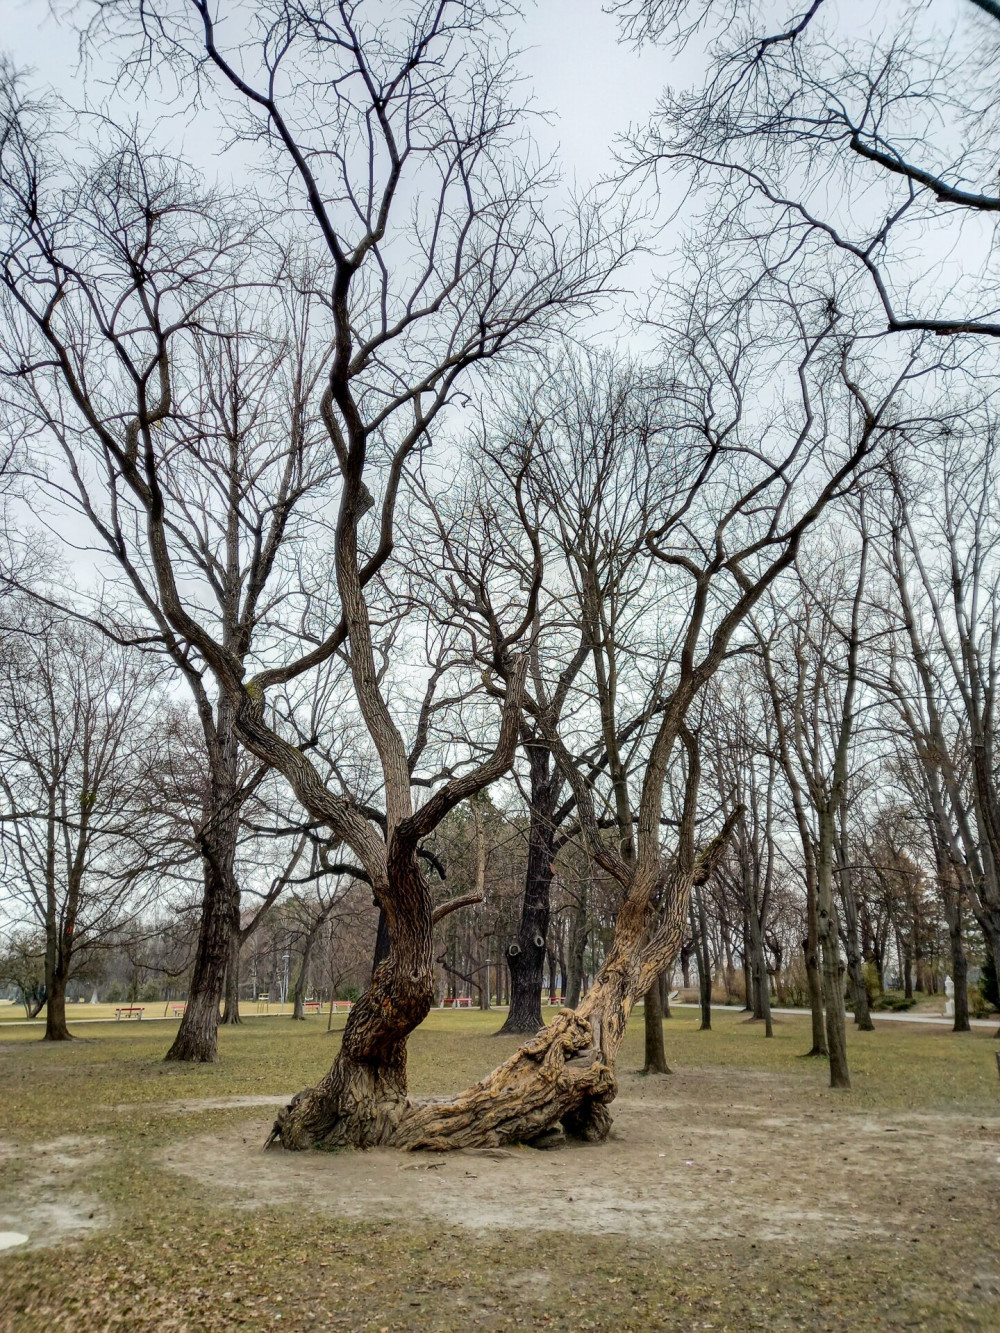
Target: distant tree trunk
833, 982
305, 962
687, 949
577, 947
231, 1007
852, 933
959, 961
656, 1056
665, 979
58, 936
748, 977
704, 964
762, 987
526, 955
906, 962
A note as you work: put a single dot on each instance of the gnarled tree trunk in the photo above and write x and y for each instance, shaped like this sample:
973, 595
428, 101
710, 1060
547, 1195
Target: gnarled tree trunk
564, 1075
361, 1100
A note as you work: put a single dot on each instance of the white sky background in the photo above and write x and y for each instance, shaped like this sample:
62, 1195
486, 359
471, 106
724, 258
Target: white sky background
594, 86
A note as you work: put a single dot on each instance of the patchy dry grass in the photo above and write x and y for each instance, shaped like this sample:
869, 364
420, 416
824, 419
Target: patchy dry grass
140, 1246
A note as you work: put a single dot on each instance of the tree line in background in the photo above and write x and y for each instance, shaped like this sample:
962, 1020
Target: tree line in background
403, 640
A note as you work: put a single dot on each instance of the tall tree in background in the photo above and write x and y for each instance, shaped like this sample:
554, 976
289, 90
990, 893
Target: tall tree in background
82, 840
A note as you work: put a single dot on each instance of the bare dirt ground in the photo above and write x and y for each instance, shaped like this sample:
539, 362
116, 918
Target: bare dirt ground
739, 1195
49, 1206
690, 1158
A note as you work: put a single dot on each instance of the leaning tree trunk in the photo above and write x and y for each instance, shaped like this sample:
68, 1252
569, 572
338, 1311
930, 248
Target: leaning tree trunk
564, 1075
526, 954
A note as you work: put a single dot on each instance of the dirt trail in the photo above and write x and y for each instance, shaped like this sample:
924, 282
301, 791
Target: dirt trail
686, 1158
47, 1205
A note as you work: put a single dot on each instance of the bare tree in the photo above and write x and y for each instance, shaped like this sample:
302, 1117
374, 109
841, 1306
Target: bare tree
82, 839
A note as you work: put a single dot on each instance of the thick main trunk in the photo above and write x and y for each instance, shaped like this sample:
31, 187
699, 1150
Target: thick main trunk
197, 1036
55, 1006
526, 955
361, 1100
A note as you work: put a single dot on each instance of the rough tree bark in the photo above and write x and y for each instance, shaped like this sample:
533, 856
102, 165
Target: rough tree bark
526, 954
197, 1036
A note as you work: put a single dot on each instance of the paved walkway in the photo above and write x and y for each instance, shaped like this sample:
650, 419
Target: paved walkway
936, 1020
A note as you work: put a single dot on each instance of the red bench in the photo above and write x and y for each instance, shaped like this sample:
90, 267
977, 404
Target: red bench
129, 1011
313, 1006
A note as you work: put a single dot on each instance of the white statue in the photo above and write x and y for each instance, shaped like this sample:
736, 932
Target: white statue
949, 1002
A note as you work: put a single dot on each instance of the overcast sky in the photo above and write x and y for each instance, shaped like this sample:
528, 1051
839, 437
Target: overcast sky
594, 86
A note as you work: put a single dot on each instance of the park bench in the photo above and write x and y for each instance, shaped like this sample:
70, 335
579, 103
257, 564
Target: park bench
313, 1006
178, 1009
129, 1011
556, 999
345, 1005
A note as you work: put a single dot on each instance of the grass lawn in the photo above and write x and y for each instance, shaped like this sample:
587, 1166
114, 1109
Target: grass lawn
741, 1193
